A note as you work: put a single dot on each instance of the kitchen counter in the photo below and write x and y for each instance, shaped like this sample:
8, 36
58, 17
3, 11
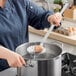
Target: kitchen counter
63, 38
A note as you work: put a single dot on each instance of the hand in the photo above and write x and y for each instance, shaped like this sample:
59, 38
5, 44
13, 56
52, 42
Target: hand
15, 60
55, 19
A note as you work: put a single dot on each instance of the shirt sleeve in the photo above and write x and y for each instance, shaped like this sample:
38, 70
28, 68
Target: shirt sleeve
37, 16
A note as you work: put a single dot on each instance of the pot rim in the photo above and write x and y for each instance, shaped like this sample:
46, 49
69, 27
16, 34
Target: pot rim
54, 58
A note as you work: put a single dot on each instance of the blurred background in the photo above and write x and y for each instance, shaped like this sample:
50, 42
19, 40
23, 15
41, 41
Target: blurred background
57, 5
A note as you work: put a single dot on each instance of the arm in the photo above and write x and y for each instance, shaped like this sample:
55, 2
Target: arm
14, 59
40, 18
37, 16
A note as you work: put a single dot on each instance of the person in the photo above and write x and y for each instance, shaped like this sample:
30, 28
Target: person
15, 16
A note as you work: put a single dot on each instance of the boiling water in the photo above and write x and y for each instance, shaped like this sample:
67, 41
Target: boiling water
45, 56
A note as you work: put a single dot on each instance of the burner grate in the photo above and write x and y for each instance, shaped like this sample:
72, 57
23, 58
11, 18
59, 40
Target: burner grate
68, 65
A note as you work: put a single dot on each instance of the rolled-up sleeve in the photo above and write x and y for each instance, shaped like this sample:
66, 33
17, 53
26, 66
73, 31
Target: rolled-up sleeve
37, 16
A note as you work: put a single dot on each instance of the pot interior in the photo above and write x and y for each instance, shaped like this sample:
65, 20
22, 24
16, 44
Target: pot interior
52, 51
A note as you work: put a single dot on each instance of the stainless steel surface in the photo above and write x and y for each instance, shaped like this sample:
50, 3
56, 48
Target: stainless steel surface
43, 65
9, 72
18, 71
47, 34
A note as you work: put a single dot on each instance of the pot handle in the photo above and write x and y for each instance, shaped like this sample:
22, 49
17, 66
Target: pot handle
29, 64
18, 71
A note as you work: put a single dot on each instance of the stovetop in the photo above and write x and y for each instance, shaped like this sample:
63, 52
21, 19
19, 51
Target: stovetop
68, 65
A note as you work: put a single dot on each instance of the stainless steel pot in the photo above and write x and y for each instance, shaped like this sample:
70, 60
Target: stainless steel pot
46, 64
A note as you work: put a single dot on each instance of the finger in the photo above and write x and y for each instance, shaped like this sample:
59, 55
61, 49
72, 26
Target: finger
19, 63
57, 21
15, 64
59, 17
22, 60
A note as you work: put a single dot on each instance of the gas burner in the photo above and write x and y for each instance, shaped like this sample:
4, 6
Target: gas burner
68, 65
